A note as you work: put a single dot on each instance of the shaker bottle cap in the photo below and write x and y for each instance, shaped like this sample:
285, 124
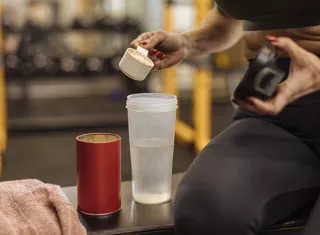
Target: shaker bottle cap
152, 102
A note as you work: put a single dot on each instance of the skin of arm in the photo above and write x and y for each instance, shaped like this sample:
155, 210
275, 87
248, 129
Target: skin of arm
217, 33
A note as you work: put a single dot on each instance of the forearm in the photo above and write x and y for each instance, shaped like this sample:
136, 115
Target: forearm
217, 33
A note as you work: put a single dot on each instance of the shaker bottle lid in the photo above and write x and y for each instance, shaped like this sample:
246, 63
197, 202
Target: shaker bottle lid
152, 102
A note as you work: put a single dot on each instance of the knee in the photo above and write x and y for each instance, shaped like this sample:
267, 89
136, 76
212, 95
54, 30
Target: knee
190, 215
199, 209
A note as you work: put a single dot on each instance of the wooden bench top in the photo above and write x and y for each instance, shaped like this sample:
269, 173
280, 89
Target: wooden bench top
133, 217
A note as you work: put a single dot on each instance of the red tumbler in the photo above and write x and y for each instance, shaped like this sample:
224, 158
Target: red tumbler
99, 173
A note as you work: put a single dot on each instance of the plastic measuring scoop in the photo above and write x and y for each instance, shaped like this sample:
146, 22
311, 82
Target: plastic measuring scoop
136, 64
143, 50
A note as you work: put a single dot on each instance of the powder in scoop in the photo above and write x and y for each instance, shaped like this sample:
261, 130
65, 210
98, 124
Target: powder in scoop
140, 57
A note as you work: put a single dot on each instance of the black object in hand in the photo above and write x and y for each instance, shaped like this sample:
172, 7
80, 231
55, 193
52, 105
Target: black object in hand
262, 76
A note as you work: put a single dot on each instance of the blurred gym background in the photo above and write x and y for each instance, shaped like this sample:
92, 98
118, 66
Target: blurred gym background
61, 78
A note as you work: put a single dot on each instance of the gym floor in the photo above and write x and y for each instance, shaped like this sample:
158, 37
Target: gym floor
50, 155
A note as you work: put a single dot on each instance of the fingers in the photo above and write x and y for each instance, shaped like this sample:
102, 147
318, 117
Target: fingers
158, 65
275, 105
157, 57
150, 40
269, 107
140, 40
246, 105
157, 38
266, 107
289, 46
152, 52
260, 107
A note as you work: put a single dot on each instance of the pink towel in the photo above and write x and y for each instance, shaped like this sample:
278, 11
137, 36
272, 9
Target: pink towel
30, 207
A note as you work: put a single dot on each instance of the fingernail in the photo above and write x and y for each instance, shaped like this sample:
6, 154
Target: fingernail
144, 43
163, 57
159, 54
272, 38
152, 52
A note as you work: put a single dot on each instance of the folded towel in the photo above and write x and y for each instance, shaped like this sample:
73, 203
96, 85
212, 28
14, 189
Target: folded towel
30, 207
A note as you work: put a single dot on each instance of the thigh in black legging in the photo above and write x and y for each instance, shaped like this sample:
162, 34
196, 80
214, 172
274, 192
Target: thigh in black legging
250, 176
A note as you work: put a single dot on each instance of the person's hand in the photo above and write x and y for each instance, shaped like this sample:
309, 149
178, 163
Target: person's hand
165, 48
303, 79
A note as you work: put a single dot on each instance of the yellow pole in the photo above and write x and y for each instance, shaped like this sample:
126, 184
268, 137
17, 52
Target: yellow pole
3, 108
184, 132
202, 90
169, 75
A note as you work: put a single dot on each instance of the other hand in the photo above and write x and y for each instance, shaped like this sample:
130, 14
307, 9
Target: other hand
303, 79
165, 48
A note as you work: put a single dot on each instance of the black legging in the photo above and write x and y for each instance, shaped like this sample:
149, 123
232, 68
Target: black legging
255, 173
